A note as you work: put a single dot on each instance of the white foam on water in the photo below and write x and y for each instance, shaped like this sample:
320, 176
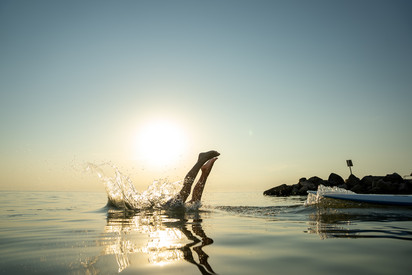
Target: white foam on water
314, 199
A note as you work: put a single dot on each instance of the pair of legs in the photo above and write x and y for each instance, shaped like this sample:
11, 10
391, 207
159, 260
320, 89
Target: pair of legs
205, 163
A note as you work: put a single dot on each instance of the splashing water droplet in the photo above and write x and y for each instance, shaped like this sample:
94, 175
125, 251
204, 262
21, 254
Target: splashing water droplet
121, 192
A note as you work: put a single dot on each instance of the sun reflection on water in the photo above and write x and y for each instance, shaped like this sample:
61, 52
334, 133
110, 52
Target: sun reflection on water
164, 246
164, 237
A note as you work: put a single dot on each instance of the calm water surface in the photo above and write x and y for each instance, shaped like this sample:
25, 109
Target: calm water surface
232, 233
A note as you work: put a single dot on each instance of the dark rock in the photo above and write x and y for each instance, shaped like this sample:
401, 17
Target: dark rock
368, 185
316, 180
335, 180
352, 181
391, 188
389, 184
295, 191
367, 181
296, 188
305, 186
379, 184
281, 191
379, 187
358, 189
309, 185
394, 178
405, 187
302, 190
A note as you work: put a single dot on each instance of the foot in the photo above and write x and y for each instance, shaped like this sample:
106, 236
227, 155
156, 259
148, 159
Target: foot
203, 157
208, 165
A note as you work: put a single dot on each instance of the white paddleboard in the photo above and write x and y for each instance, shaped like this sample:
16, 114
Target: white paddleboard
404, 200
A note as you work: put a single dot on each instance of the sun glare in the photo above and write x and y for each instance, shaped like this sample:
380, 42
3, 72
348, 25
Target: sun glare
160, 142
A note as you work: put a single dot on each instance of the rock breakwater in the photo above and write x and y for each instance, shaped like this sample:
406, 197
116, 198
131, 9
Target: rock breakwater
389, 184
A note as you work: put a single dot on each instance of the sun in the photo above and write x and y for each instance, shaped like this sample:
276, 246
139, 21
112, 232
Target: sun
160, 142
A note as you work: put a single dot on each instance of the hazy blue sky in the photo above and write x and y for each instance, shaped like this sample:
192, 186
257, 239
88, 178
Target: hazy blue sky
283, 89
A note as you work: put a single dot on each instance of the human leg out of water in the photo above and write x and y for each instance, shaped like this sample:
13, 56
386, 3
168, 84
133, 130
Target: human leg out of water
200, 185
191, 175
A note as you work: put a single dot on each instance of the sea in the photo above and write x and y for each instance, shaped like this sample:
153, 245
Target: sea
230, 233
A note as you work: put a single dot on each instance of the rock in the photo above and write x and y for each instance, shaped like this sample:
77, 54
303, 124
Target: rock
309, 185
389, 184
352, 181
391, 188
303, 190
335, 180
378, 187
405, 187
280, 191
358, 189
305, 186
394, 178
295, 189
316, 180
365, 184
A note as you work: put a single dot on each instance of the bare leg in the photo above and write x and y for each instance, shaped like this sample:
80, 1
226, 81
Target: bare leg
200, 185
191, 175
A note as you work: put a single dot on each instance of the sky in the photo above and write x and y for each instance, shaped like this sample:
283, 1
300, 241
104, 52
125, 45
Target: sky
282, 89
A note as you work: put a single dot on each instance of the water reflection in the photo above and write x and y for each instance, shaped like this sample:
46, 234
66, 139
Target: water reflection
164, 237
360, 221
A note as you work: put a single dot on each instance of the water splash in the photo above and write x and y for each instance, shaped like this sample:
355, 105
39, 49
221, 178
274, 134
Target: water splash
122, 193
315, 199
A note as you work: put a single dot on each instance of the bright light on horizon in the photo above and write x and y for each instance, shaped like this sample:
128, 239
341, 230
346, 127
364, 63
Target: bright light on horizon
160, 142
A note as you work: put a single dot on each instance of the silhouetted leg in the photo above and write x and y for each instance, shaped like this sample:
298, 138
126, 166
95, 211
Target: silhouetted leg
200, 185
191, 175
